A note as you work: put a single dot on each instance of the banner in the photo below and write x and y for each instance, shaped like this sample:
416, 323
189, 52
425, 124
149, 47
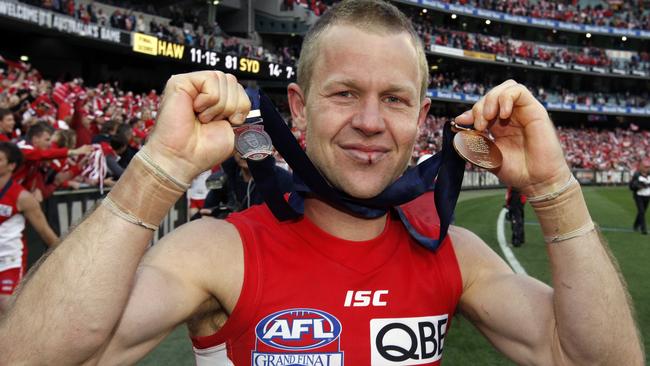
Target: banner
523, 20
479, 55
483, 179
445, 95
63, 23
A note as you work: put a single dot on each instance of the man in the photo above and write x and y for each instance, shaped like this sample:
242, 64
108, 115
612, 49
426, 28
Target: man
515, 202
126, 130
330, 284
7, 123
241, 191
36, 149
640, 186
16, 205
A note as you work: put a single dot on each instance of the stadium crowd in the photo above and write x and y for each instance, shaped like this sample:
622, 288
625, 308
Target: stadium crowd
505, 46
618, 149
317, 7
72, 135
548, 94
91, 132
183, 27
616, 14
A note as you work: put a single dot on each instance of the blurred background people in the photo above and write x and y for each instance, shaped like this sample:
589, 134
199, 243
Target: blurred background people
640, 186
515, 202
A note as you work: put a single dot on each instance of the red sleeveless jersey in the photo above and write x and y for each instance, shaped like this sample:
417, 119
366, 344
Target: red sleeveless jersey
12, 224
310, 298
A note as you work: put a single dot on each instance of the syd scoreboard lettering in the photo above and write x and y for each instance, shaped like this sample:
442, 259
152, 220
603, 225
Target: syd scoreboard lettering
241, 66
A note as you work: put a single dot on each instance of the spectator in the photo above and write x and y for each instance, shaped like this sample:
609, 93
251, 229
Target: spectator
132, 147
36, 150
7, 123
640, 186
17, 205
106, 131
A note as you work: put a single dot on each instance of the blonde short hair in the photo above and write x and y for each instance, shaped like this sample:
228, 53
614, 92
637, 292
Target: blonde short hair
369, 15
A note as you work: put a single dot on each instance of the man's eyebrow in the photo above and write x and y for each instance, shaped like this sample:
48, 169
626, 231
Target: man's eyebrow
392, 88
400, 88
336, 82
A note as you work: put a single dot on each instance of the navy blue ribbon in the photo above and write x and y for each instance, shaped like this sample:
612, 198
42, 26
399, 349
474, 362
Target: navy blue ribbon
442, 173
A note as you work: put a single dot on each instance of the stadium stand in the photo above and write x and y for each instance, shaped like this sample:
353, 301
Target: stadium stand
617, 14
183, 26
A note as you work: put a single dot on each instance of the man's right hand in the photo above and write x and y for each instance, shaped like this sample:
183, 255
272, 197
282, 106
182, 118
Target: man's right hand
193, 131
81, 150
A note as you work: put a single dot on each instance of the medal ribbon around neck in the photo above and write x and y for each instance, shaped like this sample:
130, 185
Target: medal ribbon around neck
441, 173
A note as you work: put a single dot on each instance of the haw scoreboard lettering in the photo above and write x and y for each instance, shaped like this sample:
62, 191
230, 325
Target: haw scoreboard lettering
241, 66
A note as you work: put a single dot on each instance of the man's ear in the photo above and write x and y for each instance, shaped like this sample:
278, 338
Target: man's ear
424, 109
297, 103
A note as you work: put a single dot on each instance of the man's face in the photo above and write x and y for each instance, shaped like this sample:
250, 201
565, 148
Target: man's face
363, 108
7, 123
645, 169
5, 166
42, 141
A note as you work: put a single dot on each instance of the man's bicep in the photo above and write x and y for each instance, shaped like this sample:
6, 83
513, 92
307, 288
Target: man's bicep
514, 311
168, 290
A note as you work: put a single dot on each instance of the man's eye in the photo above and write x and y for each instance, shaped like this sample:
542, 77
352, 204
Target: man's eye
345, 94
392, 99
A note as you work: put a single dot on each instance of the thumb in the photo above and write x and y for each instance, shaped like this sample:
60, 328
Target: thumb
217, 138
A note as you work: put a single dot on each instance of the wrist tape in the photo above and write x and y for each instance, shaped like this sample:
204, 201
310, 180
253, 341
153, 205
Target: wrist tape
144, 193
563, 215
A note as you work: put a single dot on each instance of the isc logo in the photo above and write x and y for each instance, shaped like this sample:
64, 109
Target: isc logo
365, 298
298, 329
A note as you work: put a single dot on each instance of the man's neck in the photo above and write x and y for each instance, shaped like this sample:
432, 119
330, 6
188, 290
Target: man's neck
246, 175
4, 179
341, 224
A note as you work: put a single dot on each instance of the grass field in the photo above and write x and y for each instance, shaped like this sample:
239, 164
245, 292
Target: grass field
612, 208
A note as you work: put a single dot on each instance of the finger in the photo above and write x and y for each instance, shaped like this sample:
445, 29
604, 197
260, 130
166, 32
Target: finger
200, 86
466, 118
491, 103
242, 107
507, 102
480, 123
219, 87
230, 107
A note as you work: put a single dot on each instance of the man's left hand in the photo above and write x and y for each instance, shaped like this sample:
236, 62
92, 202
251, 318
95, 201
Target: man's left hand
533, 160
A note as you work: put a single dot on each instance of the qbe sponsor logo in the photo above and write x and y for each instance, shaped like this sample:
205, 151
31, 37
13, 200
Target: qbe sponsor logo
298, 337
5, 210
407, 341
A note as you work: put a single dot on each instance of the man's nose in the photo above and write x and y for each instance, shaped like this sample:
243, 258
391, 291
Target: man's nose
368, 118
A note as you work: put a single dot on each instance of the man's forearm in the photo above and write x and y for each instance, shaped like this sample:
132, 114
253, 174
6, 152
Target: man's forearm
592, 311
77, 294
70, 305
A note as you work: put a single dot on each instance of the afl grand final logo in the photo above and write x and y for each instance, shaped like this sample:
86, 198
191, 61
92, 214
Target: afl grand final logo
298, 337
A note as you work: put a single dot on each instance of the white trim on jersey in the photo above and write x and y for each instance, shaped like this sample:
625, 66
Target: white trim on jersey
213, 356
11, 243
198, 190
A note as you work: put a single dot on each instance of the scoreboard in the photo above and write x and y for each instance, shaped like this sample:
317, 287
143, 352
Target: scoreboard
47, 21
241, 66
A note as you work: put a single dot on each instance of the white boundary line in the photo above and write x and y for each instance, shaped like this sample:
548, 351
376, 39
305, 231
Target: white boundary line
507, 252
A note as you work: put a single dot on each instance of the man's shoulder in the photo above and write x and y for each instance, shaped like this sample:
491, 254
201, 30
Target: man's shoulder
253, 216
464, 239
475, 257
207, 252
199, 240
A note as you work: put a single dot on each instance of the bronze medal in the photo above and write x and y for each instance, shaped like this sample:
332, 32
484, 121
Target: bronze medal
477, 148
252, 142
